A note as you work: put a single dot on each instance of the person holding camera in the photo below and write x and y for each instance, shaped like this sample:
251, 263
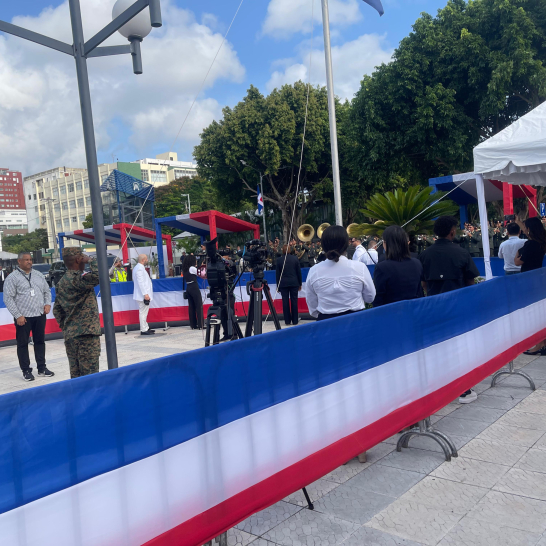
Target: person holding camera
143, 292
289, 283
193, 294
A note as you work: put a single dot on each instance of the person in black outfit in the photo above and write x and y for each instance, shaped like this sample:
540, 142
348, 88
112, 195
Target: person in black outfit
447, 267
398, 277
531, 255
195, 303
289, 283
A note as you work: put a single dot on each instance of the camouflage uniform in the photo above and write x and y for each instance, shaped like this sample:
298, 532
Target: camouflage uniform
77, 313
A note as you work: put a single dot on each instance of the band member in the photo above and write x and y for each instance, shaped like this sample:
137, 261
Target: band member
195, 302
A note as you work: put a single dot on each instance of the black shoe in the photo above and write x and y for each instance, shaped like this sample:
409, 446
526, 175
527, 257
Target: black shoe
46, 373
148, 333
151, 330
27, 375
225, 338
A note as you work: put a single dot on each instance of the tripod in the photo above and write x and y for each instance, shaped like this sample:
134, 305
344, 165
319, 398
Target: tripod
256, 289
214, 319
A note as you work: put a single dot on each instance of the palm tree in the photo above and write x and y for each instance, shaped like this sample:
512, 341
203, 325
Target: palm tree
414, 210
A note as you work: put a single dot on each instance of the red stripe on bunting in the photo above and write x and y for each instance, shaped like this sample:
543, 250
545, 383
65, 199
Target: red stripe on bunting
225, 515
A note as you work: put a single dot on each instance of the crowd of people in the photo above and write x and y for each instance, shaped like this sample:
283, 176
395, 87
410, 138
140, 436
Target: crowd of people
338, 282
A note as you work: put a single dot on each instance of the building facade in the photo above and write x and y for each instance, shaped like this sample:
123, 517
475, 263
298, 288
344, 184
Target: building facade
60, 199
11, 190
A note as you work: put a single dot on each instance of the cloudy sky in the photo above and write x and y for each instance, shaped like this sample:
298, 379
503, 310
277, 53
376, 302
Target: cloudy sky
271, 43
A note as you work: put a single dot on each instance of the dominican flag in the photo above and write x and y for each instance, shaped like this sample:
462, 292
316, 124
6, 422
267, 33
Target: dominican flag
260, 202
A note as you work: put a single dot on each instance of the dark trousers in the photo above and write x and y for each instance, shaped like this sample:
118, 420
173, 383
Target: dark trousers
290, 304
36, 325
195, 305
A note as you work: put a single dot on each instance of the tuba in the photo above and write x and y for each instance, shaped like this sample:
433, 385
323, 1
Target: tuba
349, 228
321, 229
306, 232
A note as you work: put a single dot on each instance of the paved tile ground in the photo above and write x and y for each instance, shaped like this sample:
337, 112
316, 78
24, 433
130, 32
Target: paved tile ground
494, 493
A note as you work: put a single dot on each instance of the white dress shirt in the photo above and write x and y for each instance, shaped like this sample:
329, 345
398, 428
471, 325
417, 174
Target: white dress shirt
142, 283
359, 251
337, 287
367, 257
508, 250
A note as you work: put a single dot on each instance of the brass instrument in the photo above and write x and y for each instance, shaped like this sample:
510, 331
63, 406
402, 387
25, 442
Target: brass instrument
349, 227
321, 229
306, 232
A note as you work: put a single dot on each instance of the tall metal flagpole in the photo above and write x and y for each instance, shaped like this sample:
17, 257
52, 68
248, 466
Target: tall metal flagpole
263, 209
94, 183
332, 112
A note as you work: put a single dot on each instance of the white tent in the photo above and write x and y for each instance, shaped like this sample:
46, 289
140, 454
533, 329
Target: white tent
516, 155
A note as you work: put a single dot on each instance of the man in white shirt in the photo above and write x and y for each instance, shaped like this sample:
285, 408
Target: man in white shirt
143, 293
509, 248
370, 256
359, 249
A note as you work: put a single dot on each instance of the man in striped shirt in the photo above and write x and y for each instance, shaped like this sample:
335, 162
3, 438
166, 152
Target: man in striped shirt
28, 298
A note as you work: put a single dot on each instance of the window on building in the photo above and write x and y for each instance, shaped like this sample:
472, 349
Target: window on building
59, 224
79, 186
34, 197
82, 218
72, 203
56, 206
80, 202
66, 222
41, 195
65, 206
55, 192
30, 197
35, 208
74, 220
103, 178
63, 190
70, 188
88, 201
42, 207
159, 176
86, 183
145, 176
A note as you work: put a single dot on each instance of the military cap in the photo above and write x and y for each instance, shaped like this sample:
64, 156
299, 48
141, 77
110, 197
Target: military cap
72, 251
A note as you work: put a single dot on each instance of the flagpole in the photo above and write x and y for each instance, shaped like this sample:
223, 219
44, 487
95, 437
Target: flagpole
263, 207
332, 113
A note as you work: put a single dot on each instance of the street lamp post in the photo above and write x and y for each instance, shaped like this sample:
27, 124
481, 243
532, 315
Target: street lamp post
132, 22
189, 204
49, 201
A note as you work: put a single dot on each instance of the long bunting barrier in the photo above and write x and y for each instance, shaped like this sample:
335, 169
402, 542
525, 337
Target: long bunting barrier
178, 449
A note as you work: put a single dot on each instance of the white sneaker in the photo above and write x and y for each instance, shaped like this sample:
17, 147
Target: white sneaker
467, 397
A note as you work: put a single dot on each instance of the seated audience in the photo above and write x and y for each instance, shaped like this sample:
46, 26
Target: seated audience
398, 277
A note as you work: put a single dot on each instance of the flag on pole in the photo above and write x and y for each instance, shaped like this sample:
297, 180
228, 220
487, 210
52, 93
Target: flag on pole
376, 4
260, 202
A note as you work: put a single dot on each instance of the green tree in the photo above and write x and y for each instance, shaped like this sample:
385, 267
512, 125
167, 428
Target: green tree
266, 133
457, 79
28, 242
414, 209
88, 222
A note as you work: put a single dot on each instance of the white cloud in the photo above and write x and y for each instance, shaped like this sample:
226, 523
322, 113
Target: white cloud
350, 62
288, 17
40, 123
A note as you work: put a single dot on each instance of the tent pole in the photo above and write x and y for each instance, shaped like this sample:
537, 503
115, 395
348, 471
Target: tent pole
482, 206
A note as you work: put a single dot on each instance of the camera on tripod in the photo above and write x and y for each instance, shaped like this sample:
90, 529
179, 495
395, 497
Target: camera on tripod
255, 253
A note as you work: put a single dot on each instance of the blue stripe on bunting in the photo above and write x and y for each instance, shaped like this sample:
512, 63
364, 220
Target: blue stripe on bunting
55, 436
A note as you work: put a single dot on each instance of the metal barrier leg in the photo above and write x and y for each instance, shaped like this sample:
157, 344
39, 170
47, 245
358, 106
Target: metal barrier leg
126, 331
511, 371
426, 430
222, 539
166, 327
309, 503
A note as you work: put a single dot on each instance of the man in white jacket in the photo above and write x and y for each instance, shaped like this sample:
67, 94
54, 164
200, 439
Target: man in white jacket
143, 293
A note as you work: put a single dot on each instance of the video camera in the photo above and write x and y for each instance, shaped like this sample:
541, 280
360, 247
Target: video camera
220, 273
255, 253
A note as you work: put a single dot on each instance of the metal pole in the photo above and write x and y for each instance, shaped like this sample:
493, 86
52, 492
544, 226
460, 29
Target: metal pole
52, 218
189, 204
332, 112
263, 210
94, 182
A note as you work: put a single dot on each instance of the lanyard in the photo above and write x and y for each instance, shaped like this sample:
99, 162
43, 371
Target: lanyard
29, 278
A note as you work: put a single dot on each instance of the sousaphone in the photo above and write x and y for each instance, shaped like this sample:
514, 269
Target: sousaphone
321, 229
306, 232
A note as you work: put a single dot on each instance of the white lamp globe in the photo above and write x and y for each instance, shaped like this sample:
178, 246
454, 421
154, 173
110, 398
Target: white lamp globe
138, 26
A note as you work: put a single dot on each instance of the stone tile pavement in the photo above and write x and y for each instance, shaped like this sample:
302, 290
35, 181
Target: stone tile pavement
494, 493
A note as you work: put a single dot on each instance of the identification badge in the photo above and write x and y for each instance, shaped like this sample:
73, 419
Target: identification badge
32, 293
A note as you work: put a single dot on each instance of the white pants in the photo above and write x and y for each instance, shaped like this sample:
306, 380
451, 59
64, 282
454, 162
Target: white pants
143, 315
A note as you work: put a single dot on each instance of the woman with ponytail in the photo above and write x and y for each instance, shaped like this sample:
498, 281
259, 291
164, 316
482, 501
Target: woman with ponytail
337, 286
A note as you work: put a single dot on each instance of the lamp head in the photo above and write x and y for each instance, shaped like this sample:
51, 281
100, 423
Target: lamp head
139, 26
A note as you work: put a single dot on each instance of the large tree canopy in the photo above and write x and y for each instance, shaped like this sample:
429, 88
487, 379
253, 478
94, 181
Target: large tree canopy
26, 243
266, 133
455, 80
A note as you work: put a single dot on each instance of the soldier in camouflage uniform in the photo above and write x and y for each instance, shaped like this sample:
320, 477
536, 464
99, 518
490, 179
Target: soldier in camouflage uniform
77, 313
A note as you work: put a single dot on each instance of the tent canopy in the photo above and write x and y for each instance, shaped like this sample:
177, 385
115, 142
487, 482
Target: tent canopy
206, 224
517, 154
